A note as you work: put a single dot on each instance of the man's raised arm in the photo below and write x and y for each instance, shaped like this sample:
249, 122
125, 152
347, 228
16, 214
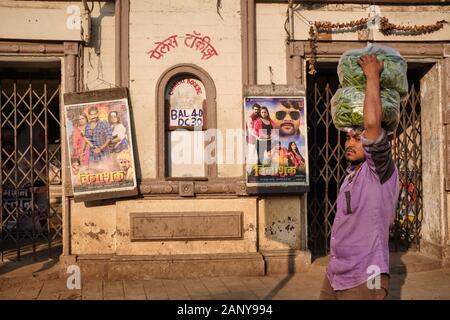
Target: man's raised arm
372, 68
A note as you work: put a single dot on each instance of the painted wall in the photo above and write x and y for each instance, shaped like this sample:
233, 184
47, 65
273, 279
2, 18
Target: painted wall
270, 224
446, 94
92, 229
99, 56
279, 223
432, 158
270, 44
154, 21
106, 229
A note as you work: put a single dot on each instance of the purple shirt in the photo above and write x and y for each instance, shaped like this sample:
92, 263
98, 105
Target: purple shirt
365, 209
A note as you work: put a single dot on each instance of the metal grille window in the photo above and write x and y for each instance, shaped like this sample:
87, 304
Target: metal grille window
407, 152
30, 163
327, 169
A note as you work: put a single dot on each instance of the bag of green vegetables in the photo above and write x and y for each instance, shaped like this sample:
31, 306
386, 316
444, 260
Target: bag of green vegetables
347, 107
393, 75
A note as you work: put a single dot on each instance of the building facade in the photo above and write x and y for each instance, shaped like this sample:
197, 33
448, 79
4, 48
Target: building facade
200, 219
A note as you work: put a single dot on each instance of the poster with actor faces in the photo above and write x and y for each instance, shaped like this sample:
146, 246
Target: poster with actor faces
276, 140
100, 148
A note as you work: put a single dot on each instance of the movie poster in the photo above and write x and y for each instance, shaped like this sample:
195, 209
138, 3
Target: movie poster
276, 140
100, 147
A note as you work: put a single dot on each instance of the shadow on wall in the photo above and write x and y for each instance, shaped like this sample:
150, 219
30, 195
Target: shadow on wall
107, 10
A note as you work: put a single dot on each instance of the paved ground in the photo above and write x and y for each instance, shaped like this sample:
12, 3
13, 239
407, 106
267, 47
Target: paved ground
40, 281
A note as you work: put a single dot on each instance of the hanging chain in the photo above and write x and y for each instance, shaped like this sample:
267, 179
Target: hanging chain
313, 45
386, 28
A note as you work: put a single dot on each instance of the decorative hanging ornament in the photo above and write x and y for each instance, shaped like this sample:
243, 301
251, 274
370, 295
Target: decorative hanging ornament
386, 28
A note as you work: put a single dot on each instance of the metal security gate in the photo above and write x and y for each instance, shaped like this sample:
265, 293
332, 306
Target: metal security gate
327, 163
31, 211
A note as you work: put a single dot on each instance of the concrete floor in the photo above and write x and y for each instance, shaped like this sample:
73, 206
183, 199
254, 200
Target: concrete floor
413, 277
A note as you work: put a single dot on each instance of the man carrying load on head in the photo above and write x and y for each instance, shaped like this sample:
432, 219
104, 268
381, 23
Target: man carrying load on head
359, 248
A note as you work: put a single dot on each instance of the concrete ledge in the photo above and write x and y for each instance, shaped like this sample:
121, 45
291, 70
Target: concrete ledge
286, 261
170, 267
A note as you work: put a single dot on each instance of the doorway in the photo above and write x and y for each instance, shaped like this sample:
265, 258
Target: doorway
30, 161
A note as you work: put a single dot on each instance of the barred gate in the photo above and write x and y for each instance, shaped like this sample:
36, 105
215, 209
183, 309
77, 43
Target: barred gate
327, 164
30, 161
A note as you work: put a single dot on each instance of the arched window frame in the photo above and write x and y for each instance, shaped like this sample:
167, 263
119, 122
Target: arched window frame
162, 121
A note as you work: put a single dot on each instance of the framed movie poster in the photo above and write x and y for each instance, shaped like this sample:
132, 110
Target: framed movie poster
99, 144
276, 140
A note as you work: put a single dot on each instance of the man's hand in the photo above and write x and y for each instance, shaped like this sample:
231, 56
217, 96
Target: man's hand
371, 66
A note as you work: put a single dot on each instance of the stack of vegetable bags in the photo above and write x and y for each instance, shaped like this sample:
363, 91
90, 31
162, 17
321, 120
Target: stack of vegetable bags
347, 104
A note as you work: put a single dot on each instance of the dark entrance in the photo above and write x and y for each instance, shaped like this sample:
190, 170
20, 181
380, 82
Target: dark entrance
30, 205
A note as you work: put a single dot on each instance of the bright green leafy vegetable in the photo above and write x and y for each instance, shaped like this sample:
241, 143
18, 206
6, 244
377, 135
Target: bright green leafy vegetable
393, 76
347, 104
347, 107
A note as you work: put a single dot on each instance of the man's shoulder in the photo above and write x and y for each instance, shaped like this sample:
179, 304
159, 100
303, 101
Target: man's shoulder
379, 157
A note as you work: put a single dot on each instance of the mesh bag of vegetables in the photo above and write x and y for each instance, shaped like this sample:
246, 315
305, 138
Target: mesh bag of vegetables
347, 107
393, 75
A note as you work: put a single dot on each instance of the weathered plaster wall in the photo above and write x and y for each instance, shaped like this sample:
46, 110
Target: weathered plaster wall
99, 56
93, 229
270, 43
106, 229
446, 94
432, 157
152, 21
279, 223
126, 247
